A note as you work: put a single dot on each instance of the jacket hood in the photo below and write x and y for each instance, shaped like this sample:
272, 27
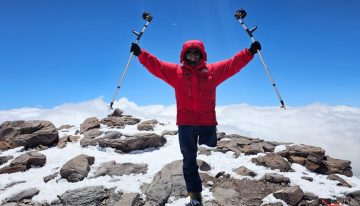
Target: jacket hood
193, 44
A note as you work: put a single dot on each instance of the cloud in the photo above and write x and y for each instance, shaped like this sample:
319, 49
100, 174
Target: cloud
334, 128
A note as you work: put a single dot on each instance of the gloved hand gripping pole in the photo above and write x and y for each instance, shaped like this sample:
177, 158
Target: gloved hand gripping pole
240, 15
147, 16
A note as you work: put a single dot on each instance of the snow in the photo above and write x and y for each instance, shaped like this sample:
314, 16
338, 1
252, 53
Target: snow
334, 128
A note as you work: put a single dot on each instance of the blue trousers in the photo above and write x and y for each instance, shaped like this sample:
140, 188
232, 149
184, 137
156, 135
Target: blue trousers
189, 137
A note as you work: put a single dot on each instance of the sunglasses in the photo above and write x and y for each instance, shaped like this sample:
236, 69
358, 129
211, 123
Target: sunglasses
193, 52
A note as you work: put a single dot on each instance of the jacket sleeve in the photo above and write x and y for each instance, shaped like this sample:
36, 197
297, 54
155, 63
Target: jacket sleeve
227, 68
164, 70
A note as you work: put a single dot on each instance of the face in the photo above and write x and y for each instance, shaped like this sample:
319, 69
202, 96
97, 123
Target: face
192, 56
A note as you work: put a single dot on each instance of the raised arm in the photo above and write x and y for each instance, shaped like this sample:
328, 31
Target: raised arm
227, 68
163, 70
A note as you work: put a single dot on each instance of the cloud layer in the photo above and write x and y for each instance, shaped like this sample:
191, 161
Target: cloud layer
334, 128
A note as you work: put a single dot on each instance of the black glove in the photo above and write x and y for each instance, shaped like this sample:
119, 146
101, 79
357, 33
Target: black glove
255, 46
135, 49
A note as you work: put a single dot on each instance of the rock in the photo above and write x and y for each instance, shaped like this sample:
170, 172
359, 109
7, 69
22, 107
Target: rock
341, 181
73, 138
69, 138
274, 204
25, 194
244, 171
309, 156
88, 142
253, 149
168, 182
27, 133
5, 159
117, 113
136, 142
276, 178
290, 195
147, 125
203, 166
89, 137
89, 123
50, 177
227, 196
204, 151
114, 169
119, 122
62, 142
65, 127
298, 160
310, 179
220, 135
77, 168
168, 132
129, 199
310, 196
13, 183
24, 162
353, 198
87, 196
220, 174
237, 144
242, 192
268, 146
274, 161
332, 165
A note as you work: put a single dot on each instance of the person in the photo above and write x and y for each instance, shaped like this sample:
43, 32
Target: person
195, 82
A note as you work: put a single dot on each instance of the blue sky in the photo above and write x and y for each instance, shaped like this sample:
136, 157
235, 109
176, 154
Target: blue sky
55, 52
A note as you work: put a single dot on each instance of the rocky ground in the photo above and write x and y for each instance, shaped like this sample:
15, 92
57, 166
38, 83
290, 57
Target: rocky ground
241, 186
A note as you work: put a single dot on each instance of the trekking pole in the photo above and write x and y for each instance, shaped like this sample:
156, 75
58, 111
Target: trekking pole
147, 16
240, 15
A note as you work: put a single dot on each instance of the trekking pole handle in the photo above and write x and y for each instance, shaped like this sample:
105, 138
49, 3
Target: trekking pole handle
148, 17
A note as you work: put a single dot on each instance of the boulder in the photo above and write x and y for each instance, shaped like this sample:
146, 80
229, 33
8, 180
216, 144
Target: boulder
290, 195
117, 113
87, 196
119, 122
92, 133
89, 123
129, 199
331, 165
65, 127
227, 196
25, 162
27, 133
353, 198
245, 192
276, 178
114, 169
309, 156
169, 182
147, 125
136, 142
77, 168
169, 132
244, 171
252, 149
274, 161
25, 194
5, 159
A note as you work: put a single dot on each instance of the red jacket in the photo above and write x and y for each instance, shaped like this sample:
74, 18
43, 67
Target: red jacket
195, 86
